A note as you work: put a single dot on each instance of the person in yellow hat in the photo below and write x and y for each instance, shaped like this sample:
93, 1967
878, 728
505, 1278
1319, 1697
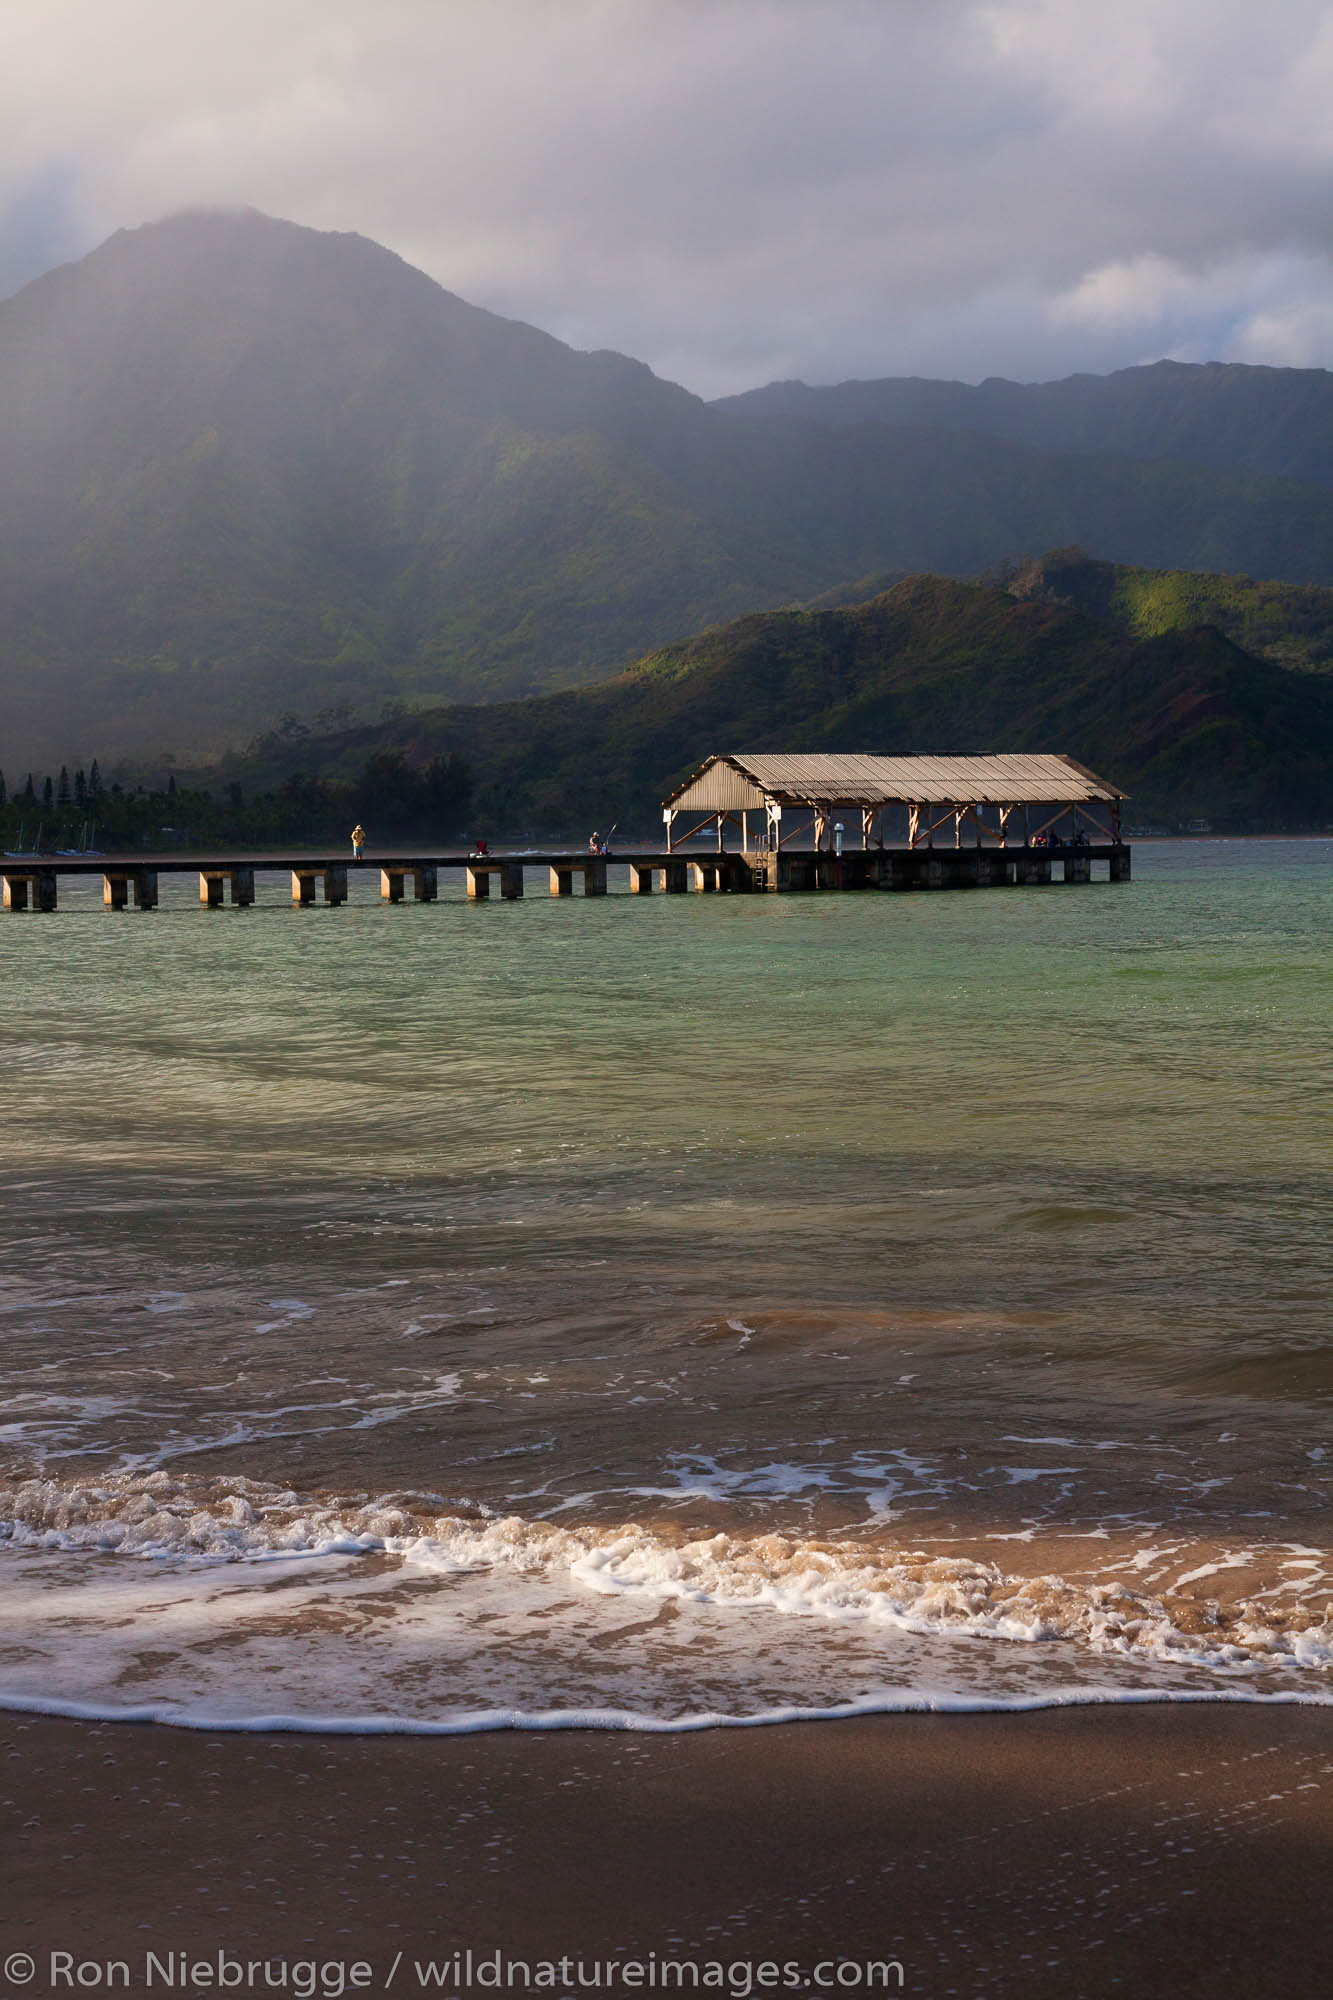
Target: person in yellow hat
358, 841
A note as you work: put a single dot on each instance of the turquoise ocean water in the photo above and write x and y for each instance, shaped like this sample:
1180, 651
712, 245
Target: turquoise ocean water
657, 1309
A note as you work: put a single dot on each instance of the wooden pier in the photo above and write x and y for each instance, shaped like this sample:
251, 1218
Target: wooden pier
788, 804
131, 882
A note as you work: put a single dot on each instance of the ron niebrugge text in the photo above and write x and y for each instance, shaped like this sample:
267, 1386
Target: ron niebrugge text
329, 1978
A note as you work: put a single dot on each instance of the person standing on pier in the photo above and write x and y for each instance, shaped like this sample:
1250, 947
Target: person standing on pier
358, 841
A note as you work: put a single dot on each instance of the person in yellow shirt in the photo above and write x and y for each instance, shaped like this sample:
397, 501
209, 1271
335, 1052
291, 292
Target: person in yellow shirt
358, 841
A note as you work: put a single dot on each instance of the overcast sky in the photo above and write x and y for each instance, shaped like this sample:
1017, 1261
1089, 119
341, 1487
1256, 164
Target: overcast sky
732, 190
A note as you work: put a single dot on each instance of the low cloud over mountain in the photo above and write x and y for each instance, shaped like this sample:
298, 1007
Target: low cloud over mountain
248, 467
739, 192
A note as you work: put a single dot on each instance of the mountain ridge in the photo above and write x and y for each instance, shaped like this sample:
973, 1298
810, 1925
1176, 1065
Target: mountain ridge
248, 467
1276, 422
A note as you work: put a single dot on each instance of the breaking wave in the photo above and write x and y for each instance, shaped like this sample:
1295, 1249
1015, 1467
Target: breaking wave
876, 1590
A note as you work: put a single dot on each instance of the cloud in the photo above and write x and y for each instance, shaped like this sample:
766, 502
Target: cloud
731, 189
1296, 334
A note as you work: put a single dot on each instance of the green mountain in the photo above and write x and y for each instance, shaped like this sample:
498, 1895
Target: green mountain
1184, 719
1291, 624
248, 468
1274, 421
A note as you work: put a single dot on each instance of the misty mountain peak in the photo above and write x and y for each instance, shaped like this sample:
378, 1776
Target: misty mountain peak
246, 466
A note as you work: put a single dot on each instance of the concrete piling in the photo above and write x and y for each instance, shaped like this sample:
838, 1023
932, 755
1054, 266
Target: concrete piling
30, 889
123, 886
128, 883
238, 883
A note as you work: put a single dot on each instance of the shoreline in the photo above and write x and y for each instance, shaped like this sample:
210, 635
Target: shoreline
1144, 1848
633, 1723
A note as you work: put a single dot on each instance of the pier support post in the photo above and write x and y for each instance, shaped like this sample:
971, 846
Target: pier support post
1033, 865
703, 877
478, 884
425, 882
511, 880
213, 882
335, 883
137, 885
797, 870
303, 887
594, 878
391, 884
640, 880
1120, 864
675, 878
34, 889
562, 881
1078, 868
850, 870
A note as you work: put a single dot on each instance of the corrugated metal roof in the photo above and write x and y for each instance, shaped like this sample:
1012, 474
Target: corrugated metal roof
729, 788
864, 780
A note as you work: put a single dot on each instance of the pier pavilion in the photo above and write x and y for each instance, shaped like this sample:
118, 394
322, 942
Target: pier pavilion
1013, 820
997, 819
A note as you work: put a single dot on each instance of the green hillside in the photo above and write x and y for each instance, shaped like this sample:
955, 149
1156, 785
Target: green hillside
248, 468
1289, 623
1184, 719
1273, 421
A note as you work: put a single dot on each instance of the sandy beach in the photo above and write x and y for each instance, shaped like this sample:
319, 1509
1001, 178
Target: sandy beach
1155, 1850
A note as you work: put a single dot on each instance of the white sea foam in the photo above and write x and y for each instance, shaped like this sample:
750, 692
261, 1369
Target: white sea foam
879, 1595
488, 1720
874, 1479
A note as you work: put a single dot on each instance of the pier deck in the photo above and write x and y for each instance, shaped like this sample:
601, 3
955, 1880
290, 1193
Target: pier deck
131, 881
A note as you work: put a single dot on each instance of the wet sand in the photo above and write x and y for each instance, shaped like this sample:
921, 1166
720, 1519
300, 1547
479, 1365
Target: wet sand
1172, 1851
